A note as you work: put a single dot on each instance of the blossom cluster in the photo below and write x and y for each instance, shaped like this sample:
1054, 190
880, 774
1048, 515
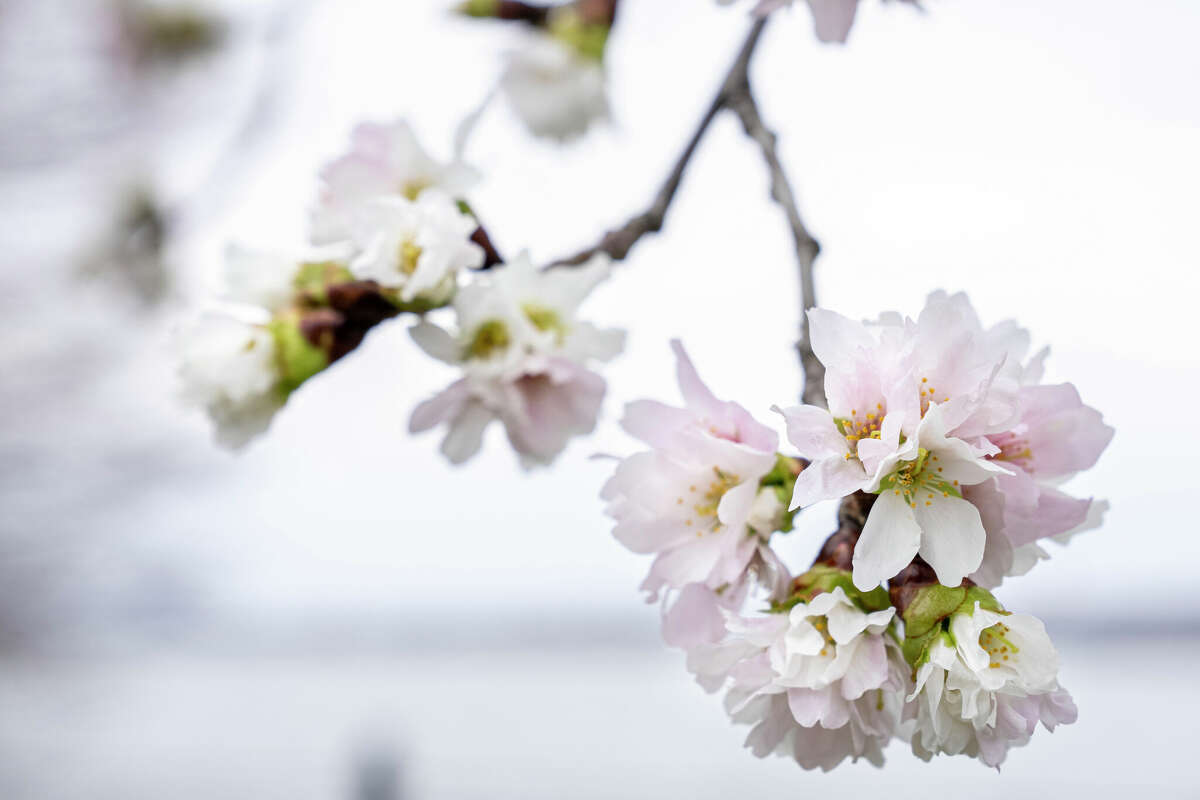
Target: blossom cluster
947, 452
393, 234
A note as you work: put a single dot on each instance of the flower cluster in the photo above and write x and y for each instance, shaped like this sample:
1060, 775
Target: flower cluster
393, 234
947, 451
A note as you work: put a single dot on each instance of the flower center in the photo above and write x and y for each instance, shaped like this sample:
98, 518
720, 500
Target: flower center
995, 642
412, 189
856, 428
929, 395
709, 500
545, 319
920, 480
490, 338
407, 256
1013, 449
822, 626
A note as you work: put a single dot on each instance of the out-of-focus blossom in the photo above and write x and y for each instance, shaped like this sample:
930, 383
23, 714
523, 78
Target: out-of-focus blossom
229, 367
832, 19
982, 686
698, 502
416, 247
557, 91
385, 160
821, 683
524, 355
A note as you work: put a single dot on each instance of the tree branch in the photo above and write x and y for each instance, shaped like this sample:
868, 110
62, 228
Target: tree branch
807, 249
618, 242
736, 95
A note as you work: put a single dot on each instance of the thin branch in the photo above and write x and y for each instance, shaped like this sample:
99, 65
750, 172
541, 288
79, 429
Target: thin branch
742, 103
617, 243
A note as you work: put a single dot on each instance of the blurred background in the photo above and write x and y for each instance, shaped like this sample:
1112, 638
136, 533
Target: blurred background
337, 613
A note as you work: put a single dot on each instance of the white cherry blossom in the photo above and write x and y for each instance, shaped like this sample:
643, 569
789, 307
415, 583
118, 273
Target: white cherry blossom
821, 683
416, 247
523, 353
984, 687
385, 160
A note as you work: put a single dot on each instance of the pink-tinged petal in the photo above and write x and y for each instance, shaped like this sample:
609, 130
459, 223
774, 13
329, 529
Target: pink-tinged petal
735, 504
833, 18
694, 618
695, 393
952, 537
768, 734
443, 406
837, 339
726, 420
813, 432
559, 404
465, 436
689, 563
1058, 709
888, 543
653, 422
867, 670
1064, 435
809, 706
828, 479
1054, 514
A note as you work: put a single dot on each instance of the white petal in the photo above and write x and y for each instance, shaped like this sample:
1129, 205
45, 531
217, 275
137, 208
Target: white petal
952, 537
888, 543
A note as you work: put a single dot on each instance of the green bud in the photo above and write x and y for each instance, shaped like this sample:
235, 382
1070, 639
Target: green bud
782, 479
478, 8
586, 39
297, 359
928, 616
314, 277
822, 578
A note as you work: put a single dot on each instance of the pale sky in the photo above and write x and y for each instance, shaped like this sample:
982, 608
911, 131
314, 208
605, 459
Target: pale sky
1041, 157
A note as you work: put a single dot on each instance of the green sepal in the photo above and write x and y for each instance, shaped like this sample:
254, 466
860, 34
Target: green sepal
586, 39
931, 605
782, 479
916, 648
297, 359
314, 277
478, 8
986, 600
822, 578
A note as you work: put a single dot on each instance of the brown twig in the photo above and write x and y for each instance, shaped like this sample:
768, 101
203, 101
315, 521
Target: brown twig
736, 95
618, 242
743, 104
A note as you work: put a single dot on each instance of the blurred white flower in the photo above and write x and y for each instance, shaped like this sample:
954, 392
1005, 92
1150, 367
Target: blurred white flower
228, 367
523, 353
556, 91
415, 246
384, 160
832, 19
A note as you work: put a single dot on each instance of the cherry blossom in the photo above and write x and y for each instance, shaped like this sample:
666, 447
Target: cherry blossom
696, 501
523, 353
820, 683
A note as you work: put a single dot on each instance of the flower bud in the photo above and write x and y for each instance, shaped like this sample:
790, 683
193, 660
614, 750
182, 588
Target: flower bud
301, 347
